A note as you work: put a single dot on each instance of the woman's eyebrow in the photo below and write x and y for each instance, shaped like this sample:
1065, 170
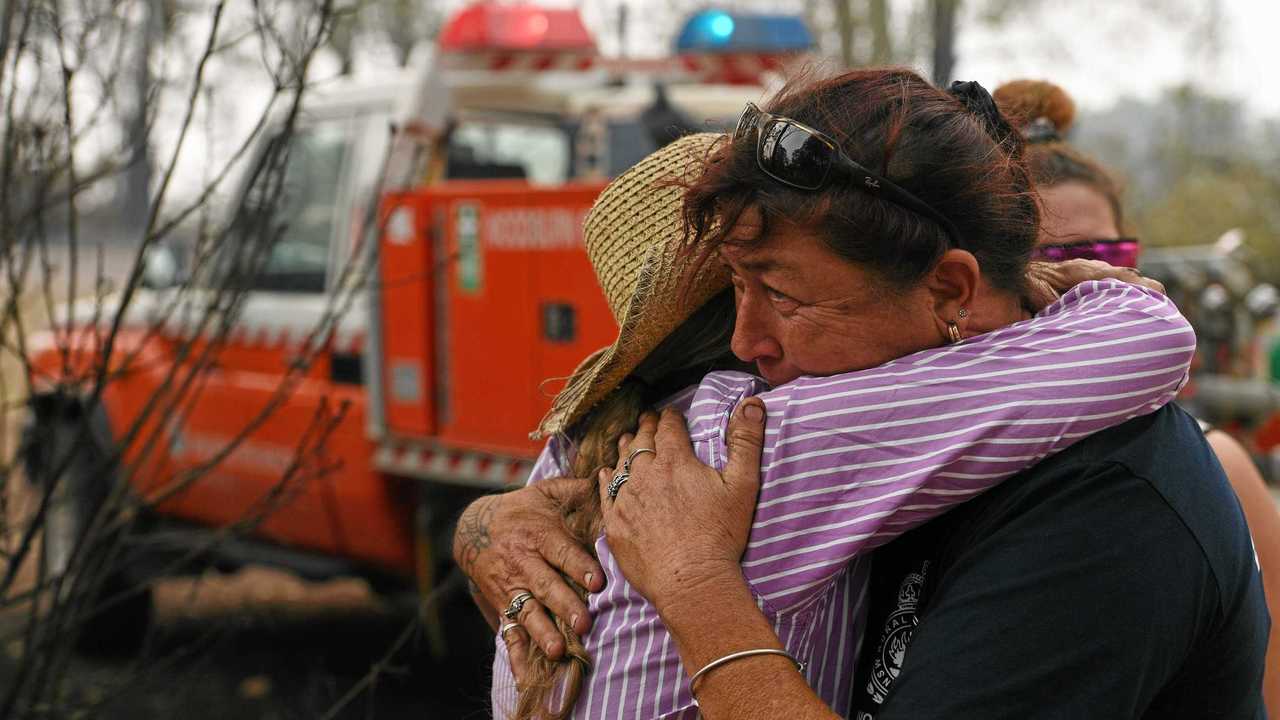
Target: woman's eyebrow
764, 265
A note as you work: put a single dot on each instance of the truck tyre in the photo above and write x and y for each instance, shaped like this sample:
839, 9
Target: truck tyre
60, 457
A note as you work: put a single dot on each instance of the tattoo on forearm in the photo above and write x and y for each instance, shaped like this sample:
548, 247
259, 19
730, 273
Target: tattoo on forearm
473, 532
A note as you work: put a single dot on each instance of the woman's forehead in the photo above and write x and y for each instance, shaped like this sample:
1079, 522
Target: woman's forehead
1074, 210
784, 251
747, 227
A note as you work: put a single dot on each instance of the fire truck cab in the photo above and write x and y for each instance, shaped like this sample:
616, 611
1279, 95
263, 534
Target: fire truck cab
430, 268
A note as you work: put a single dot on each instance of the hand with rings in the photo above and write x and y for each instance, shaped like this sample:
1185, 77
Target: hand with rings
516, 642
679, 517
513, 547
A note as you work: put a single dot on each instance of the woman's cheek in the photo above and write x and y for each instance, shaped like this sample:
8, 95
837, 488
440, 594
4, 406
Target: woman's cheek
807, 348
829, 346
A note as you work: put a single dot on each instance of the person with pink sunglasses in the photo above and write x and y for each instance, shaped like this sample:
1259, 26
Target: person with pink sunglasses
1082, 217
1082, 211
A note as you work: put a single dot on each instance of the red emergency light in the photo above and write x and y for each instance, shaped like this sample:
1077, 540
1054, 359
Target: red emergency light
489, 26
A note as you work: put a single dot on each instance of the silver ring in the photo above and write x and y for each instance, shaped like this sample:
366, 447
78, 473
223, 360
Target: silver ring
517, 604
626, 466
616, 484
502, 631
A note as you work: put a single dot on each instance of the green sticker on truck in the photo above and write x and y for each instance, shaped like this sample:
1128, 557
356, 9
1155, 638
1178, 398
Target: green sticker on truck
470, 258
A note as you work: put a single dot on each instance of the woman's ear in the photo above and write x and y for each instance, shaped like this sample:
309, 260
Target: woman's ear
953, 288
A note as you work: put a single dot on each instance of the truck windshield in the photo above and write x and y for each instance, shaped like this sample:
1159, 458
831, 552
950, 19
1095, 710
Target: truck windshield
492, 149
289, 220
311, 187
631, 140
629, 143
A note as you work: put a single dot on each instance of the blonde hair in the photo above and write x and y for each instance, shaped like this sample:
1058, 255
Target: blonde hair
696, 347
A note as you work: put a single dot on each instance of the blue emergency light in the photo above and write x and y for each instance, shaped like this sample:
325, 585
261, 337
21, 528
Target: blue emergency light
719, 31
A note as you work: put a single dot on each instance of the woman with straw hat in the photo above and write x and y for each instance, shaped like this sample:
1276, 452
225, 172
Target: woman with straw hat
890, 326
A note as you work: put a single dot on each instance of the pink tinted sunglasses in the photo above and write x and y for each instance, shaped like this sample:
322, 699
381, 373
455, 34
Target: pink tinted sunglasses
1120, 252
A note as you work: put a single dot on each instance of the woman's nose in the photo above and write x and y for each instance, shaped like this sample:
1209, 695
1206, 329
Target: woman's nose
752, 339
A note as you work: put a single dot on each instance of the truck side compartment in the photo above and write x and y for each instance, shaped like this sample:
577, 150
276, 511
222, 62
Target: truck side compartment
489, 298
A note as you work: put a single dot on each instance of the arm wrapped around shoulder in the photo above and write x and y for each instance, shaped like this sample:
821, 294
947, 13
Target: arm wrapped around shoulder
852, 461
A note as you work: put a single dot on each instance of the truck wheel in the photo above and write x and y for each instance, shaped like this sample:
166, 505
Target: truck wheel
93, 583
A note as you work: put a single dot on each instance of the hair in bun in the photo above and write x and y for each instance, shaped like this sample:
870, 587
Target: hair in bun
1043, 113
1029, 101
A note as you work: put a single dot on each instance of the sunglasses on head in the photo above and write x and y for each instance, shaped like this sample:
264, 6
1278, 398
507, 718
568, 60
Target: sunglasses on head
795, 154
1120, 252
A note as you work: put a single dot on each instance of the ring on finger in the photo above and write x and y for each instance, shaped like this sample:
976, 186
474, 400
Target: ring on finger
626, 465
502, 631
616, 484
517, 604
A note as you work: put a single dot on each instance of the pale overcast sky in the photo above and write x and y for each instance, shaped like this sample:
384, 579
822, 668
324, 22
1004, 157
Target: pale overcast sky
1099, 50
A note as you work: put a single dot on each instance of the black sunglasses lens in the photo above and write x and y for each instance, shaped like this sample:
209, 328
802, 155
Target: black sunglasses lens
747, 122
794, 155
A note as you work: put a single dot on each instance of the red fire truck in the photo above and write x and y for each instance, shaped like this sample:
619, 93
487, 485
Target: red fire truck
480, 291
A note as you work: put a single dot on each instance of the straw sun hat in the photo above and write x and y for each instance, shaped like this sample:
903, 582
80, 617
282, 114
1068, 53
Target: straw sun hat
634, 234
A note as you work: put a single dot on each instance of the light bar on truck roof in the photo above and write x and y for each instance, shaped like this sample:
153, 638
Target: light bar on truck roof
720, 31
740, 49
490, 26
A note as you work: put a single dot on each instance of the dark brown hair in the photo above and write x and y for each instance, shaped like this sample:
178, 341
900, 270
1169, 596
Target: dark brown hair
1048, 112
966, 166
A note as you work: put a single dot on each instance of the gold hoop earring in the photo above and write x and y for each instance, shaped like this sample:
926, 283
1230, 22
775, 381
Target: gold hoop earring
953, 332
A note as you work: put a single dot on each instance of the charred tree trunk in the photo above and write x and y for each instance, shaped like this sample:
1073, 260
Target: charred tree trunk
846, 23
944, 40
881, 41
136, 190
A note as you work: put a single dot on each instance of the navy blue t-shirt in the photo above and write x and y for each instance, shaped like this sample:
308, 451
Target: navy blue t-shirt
1116, 579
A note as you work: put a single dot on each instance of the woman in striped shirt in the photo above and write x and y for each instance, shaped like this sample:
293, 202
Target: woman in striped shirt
835, 268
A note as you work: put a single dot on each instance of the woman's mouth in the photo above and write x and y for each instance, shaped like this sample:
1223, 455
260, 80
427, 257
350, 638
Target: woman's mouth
775, 372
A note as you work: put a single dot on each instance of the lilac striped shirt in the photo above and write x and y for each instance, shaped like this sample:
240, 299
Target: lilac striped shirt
853, 460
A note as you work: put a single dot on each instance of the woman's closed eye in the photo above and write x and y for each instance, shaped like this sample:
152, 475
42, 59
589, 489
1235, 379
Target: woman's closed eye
781, 300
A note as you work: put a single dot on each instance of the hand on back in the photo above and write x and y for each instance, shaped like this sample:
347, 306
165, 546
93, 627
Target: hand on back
1046, 281
677, 521
516, 541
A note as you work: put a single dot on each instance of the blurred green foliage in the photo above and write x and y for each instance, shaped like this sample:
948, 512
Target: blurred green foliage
1195, 166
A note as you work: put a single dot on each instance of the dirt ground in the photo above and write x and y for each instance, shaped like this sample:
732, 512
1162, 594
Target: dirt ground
261, 644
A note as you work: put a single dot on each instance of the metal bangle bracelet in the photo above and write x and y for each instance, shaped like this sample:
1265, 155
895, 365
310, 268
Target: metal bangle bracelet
517, 604
738, 656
